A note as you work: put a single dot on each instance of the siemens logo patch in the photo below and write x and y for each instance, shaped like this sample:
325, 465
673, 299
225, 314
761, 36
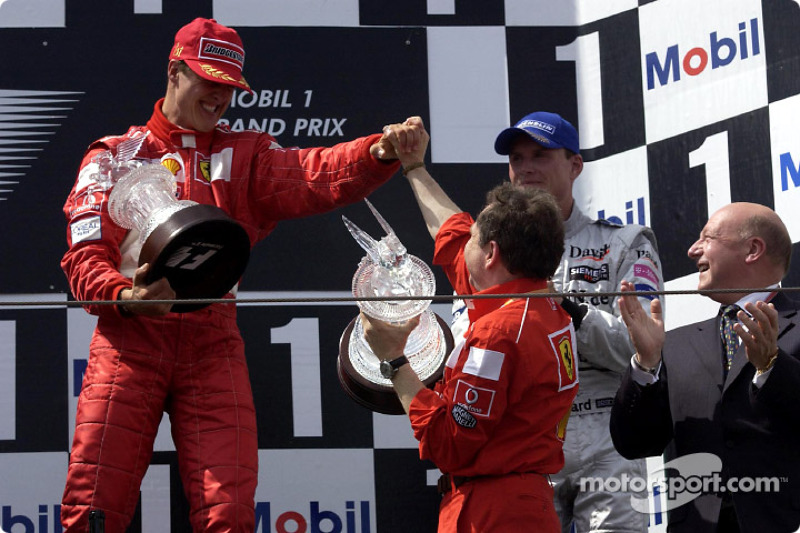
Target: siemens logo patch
722, 52
585, 273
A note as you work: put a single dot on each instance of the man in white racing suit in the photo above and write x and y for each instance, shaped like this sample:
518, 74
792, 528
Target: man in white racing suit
544, 152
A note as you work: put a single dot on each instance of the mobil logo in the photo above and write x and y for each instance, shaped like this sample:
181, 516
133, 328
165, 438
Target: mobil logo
46, 522
315, 520
634, 213
719, 51
789, 171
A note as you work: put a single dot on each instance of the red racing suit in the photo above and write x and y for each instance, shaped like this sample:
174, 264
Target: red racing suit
191, 365
498, 416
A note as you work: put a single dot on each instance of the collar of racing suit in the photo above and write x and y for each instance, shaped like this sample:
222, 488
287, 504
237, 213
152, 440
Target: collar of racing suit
175, 135
576, 221
484, 306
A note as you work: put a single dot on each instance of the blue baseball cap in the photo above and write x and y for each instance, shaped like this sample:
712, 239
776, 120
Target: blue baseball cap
547, 129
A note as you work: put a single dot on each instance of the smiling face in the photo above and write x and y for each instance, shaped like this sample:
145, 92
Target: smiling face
554, 170
192, 102
721, 253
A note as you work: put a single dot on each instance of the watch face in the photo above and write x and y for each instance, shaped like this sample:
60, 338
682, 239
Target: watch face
387, 370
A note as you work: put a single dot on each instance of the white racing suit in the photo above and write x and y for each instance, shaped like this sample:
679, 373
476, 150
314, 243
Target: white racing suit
598, 255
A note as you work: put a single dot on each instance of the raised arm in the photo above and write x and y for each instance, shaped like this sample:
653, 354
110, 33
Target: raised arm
435, 205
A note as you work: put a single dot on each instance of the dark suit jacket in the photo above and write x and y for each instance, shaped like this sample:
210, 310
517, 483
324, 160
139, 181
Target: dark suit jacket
691, 409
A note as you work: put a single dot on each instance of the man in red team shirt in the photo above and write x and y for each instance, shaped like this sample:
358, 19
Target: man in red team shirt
495, 424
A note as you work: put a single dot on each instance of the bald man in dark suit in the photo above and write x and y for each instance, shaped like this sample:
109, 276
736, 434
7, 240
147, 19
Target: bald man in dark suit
731, 392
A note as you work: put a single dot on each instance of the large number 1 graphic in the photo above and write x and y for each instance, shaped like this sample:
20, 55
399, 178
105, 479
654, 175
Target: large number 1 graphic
713, 153
302, 335
585, 52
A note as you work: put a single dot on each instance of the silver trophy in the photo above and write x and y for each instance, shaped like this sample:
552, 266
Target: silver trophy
388, 271
197, 247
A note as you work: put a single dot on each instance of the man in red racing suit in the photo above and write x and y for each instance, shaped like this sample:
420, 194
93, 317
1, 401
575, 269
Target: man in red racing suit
495, 424
507, 426
145, 360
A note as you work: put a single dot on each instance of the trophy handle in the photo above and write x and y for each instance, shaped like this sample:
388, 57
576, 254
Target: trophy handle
130, 147
363, 239
112, 168
382, 221
389, 252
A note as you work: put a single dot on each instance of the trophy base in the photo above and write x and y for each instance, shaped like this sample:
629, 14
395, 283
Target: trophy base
381, 397
200, 250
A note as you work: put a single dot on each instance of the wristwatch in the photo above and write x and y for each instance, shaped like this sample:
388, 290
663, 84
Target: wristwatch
389, 368
652, 371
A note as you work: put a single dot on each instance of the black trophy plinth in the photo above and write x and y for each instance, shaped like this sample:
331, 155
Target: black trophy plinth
200, 250
380, 397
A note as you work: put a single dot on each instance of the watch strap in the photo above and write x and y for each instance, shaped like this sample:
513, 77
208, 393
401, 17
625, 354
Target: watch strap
398, 362
394, 364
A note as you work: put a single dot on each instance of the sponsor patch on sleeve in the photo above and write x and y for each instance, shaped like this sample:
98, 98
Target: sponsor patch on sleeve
86, 201
563, 345
644, 271
86, 229
645, 287
463, 417
484, 363
476, 400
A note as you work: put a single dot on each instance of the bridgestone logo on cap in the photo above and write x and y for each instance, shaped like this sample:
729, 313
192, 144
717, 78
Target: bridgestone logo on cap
221, 51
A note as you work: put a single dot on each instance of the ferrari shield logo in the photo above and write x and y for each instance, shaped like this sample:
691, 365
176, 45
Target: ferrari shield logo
567, 357
205, 170
562, 343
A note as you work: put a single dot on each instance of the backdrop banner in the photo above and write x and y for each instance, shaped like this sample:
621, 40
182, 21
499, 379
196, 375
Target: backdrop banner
682, 107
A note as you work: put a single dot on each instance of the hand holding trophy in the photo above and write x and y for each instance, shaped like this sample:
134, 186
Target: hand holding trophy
199, 249
388, 271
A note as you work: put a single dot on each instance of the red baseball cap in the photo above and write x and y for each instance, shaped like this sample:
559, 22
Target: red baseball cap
213, 52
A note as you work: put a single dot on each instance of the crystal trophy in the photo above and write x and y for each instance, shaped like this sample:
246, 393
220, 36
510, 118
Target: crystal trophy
199, 249
388, 271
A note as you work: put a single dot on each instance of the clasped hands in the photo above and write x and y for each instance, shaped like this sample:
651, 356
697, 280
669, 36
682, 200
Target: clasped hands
406, 141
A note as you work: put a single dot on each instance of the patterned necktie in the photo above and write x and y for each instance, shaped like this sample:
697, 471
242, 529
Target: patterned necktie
730, 340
